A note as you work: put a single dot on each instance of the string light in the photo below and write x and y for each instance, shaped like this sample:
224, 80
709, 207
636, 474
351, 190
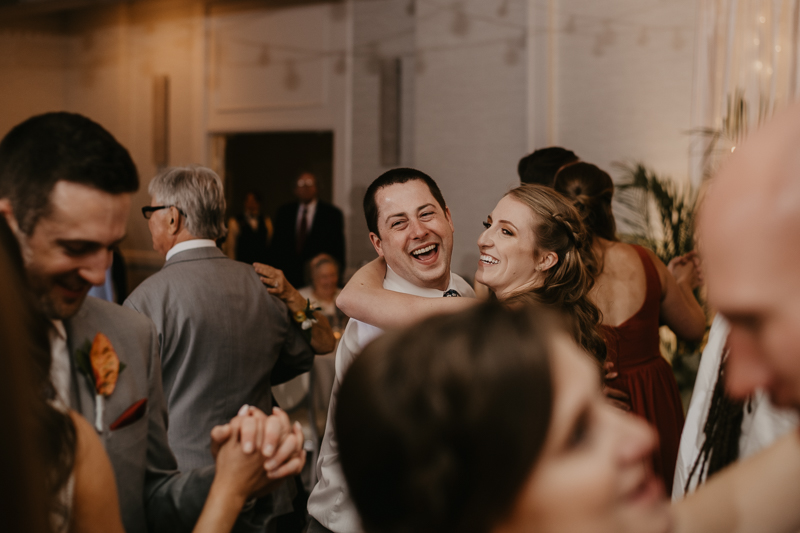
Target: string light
411, 8
419, 63
677, 40
644, 38
502, 9
571, 25
264, 58
292, 79
460, 25
340, 66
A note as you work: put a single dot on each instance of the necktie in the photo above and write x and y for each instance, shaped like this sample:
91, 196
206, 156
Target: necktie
451, 293
301, 231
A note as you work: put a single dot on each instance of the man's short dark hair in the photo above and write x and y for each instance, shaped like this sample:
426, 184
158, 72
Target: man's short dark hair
392, 177
48, 148
541, 166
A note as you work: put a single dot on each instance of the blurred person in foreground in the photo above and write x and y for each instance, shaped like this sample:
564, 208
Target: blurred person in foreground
636, 293
492, 420
65, 192
63, 475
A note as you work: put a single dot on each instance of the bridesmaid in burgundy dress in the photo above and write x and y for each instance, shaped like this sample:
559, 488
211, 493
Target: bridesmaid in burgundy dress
636, 293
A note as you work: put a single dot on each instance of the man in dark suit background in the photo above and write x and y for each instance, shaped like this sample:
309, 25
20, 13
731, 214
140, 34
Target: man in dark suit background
304, 229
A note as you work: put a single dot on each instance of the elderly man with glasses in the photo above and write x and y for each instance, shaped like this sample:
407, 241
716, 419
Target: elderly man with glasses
224, 338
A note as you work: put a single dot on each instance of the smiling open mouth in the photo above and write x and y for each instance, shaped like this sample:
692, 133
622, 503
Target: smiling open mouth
488, 260
426, 252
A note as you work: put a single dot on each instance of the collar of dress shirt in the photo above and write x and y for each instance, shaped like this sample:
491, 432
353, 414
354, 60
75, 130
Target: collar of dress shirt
190, 245
394, 282
311, 208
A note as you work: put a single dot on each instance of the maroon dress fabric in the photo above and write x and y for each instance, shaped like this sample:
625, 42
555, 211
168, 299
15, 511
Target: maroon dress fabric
634, 348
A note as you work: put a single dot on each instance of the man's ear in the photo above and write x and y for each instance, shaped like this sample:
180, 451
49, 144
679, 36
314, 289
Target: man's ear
8, 212
376, 242
449, 219
548, 261
175, 221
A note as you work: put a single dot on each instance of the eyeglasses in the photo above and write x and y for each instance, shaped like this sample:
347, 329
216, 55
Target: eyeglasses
148, 210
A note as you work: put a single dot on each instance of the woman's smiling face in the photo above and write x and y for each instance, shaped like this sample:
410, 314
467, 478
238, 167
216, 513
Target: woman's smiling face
507, 245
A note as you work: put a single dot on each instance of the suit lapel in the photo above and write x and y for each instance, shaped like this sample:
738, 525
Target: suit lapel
82, 399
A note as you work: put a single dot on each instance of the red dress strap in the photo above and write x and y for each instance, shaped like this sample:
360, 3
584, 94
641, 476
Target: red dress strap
650, 274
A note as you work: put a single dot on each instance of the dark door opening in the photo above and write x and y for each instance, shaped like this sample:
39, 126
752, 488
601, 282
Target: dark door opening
269, 163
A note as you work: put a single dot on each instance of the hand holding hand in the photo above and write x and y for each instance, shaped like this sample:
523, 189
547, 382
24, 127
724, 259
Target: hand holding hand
686, 269
615, 397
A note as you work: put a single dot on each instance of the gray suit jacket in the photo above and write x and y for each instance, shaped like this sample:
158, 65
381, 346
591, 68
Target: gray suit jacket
151, 490
221, 336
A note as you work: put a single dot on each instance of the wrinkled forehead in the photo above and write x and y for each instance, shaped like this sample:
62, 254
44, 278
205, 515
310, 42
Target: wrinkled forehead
403, 198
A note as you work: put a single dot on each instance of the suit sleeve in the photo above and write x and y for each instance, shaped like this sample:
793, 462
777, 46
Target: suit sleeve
174, 500
296, 355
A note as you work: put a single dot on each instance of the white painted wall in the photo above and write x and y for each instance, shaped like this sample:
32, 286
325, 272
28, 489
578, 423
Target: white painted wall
622, 79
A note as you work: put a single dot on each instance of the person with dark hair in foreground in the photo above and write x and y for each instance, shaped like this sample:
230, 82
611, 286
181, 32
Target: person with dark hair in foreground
542, 165
492, 421
65, 192
636, 293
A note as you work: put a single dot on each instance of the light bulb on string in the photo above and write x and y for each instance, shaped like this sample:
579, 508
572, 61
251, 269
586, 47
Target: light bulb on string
340, 65
411, 8
419, 62
607, 37
677, 40
460, 25
644, 37
264, 58
502, 9
512, 52
292, 79
571, 25
373, 58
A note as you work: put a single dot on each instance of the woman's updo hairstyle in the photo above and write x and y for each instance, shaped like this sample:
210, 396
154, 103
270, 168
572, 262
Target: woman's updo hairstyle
590, 189
557, 227
440, 425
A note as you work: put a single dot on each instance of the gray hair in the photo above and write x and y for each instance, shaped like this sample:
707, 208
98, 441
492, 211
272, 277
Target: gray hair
197, 192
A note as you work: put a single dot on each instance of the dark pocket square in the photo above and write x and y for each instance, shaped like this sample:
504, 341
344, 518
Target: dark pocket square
131, 415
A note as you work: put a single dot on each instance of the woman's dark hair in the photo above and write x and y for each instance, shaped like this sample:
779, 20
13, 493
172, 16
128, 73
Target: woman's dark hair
558, 228
426, 415
590, 189
41, 440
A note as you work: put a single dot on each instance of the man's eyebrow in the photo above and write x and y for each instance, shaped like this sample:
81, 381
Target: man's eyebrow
88, 243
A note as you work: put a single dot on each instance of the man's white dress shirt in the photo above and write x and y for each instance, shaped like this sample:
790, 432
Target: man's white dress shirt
330, 501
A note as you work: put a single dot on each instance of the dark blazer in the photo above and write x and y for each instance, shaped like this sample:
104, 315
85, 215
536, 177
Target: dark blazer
151, 490
326, 236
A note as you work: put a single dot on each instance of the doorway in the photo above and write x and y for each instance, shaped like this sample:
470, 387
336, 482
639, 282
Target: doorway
269, 164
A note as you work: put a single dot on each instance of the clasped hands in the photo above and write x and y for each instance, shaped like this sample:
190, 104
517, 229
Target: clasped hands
255, 452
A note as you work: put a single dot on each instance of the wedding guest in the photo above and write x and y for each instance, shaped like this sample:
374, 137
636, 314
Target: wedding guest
636, 293
65, 191
492, 420
249, 233
542, 165
304, 229
534, 249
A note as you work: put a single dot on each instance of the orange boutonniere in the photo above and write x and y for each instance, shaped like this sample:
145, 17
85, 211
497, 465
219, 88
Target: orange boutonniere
101, 366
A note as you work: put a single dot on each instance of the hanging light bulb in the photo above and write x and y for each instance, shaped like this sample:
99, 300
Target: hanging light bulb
677, 40
411, 8
419, 62
340, 65
373, 58
264, 58
607, 37
502, 9
460, 25
512, 52
644, 38
292, 79
571, 25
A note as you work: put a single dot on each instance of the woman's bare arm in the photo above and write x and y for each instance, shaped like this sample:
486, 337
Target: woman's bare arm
365, 299
95, 506
680, 310
757, 495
